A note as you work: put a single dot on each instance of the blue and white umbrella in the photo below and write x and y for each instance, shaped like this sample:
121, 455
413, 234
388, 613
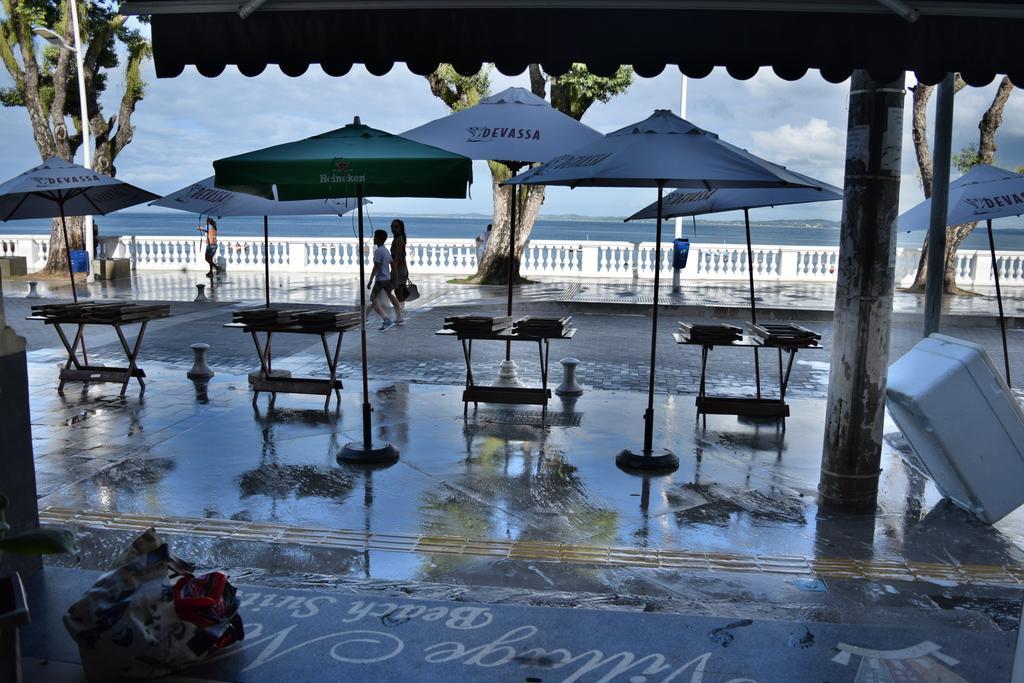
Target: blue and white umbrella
58, 188
515, 126
661, 151
984, 193
206, 199
697, 202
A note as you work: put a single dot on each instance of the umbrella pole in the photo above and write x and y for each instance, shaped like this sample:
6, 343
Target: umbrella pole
647, 461
999, 301
266, 259
67, 250
511, 260
753, 305
365, 452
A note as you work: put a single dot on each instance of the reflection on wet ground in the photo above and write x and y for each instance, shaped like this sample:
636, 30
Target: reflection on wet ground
744, 487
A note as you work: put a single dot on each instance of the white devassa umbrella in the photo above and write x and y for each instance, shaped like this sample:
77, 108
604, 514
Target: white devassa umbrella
660, 151
58, 188
983, 193
514, 125
206, 199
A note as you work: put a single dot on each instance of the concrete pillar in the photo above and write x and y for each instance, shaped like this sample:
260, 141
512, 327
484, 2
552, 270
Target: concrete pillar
864, 291
17, 469
940, 203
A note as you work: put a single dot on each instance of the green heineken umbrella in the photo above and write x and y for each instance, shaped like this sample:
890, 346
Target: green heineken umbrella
354, 161
340, 162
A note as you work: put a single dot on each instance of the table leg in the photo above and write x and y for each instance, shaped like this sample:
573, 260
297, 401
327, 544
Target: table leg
784, 379
544, 347
132, 353
701, 411
332, 363
467, 354
263, 363
71, 349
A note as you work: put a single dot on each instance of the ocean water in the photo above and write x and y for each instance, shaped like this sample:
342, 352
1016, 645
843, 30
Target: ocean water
705, 231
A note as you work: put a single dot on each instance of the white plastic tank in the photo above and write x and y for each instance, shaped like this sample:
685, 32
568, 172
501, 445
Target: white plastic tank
963, 423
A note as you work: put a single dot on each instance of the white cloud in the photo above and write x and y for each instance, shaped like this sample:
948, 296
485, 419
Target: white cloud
815, 148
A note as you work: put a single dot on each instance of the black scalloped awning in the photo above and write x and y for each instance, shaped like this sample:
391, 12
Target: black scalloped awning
788, 42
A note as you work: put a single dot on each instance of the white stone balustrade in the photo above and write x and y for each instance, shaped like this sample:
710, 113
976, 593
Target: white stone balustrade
542, 258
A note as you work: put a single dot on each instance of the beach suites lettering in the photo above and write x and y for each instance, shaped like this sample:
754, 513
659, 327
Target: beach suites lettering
983, 205
483, 133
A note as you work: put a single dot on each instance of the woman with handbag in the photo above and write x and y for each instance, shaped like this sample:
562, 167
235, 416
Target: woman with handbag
400, 269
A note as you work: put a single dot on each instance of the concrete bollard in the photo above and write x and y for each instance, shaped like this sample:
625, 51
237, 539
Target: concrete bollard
200, 370
32, 293
569, 387
201, 292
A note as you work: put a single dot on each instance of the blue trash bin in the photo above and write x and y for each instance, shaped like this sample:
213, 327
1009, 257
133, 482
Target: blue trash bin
680, 252
79, 260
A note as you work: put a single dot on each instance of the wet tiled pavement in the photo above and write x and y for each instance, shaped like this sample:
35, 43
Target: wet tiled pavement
499, 510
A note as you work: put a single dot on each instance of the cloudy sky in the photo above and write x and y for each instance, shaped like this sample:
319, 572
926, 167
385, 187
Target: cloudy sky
185, 123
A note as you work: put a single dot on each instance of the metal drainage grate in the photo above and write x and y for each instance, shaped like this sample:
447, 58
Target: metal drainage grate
530, 418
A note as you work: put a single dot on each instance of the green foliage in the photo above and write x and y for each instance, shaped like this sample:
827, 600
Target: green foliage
967, 158
103, 30
457, 91
573, 92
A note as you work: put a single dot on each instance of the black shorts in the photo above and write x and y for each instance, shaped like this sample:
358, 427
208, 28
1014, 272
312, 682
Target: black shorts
379, 286
211, 250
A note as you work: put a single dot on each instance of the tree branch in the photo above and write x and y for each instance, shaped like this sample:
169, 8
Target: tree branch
134, 91
919, 131
990, 122
538, 84
20, 32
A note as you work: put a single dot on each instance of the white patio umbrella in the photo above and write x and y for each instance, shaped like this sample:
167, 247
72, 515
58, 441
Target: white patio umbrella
983, 193
61, 188
660, 151
700, 202
206, 199
514, 126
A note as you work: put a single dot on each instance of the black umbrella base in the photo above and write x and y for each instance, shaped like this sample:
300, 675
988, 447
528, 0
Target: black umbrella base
664, 462
356, 452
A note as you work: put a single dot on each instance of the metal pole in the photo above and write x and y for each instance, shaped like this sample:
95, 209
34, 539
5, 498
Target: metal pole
67, 248
753, 305
86, 143
999, 301
367, 436
676, 287
266, 260
940, 201
511, 260
852, 444
649, 413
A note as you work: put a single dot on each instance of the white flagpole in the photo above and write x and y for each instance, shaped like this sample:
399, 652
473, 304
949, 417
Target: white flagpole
679, 220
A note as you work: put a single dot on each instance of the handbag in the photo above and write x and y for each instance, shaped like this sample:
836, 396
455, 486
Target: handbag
412, 292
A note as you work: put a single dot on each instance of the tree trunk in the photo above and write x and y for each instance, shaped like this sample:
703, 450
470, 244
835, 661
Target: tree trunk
56, 256
987, 127
493, 268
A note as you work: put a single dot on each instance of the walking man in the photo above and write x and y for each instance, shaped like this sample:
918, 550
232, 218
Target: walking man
211, 245
380, 279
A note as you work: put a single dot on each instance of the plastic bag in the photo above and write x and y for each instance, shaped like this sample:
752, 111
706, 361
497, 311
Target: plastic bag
134, 623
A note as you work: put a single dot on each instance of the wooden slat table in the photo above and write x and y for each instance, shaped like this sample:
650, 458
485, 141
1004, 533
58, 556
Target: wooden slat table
80, 371
477, 394
314, 386
743, 405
